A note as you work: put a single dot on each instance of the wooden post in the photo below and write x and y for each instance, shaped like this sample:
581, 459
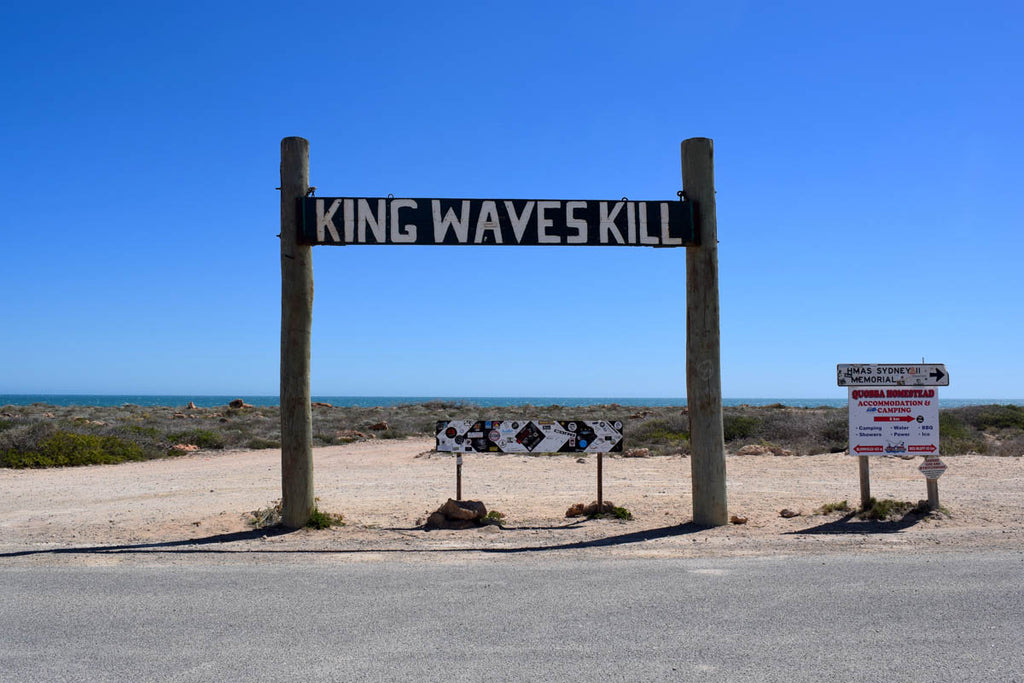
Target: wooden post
865, 482
933, 493
296, 322
703, 355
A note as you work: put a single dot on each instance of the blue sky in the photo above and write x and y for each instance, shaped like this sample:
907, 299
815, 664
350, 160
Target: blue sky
868, 169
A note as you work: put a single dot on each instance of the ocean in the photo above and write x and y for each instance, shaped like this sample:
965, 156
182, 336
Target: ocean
207, 401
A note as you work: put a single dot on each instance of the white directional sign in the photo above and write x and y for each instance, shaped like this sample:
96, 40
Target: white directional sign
894, 421
874, 374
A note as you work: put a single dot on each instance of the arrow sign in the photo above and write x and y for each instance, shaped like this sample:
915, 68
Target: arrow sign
902, 418
930, 448
868, 449
892, 375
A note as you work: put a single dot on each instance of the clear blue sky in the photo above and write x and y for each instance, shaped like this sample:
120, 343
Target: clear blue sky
868, 161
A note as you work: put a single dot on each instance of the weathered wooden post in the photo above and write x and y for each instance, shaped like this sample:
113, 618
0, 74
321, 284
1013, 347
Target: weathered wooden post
297, 498
703, 354
865, 482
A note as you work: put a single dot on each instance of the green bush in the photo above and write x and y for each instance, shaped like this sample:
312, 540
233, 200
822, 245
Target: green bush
956, 436
995, 417
204, 438
740, 426
257, 443
67, 449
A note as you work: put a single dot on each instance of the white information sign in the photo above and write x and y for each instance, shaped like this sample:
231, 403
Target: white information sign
894, 421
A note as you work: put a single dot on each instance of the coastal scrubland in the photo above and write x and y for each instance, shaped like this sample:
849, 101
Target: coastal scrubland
41, 435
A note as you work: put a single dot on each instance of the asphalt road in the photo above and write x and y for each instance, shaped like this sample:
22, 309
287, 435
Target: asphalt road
932, 617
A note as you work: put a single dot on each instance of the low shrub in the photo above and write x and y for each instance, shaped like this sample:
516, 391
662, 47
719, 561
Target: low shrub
324, 520
68, 449
740, 426
204, 438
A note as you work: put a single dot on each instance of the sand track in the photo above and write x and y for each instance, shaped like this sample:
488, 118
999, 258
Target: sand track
196, 506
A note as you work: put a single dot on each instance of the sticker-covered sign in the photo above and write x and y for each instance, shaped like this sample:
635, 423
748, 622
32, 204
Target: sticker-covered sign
529, 436
894, 421
881, 374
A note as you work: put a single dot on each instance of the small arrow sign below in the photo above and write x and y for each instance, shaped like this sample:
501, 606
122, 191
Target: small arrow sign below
932, 467
886, 418
868, 449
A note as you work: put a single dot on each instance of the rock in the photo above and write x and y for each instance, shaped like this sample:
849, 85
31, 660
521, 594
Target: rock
436, 521
236, 404
321, 404
190, 405
637, 453
380, 426
754, 449
582, 461
736, 519
179, 416
787, 513
575, 510
463, 509
781, 451
185, 447
581, 510
349, 434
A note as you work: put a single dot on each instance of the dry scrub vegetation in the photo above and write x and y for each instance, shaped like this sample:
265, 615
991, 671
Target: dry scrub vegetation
41, 435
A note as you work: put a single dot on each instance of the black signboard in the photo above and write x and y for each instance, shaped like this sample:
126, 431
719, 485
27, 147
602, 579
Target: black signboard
538, 222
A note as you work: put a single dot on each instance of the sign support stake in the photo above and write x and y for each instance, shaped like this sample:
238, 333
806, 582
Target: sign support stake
703, 342
458, 477
297, 498
600, 483
933, 493
865, 482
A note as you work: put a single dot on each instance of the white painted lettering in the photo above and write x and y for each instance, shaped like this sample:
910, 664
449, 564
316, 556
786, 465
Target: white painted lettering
460, 223
376, 222
325, 221
665, 239
543, 223
488, 222
350, 221
519, 223
631, 222
577, 224
606, 224
645, 237
402, 234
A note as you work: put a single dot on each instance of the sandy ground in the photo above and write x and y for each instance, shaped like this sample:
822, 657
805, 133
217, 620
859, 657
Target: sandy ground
196, 507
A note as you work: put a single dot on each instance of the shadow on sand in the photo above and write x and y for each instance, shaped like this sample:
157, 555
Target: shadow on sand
221, 544
850, 524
